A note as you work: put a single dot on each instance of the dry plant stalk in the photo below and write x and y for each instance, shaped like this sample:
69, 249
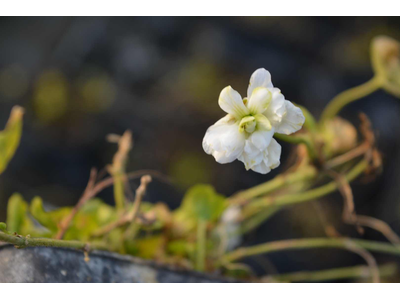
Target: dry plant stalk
93, 189
132, 214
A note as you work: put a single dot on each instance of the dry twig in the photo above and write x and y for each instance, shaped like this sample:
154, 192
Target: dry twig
132, 214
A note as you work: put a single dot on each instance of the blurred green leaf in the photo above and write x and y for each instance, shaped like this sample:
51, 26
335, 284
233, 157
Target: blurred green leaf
149, 246
16, 212
50, 220
181, 247
10, 137
202, 202
18, 218
92, 215
3, 226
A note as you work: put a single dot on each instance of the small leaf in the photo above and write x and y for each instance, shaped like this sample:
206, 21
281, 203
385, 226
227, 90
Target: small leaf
10, 137
16, 212
51, 219
3, 226
202, 202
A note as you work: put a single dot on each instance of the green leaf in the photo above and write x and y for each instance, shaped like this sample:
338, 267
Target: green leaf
10, 137
201, 202
51, 219
3, 226
92, 215
16, 212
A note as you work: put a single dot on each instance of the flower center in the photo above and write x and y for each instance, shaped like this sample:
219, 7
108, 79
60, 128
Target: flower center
247, 124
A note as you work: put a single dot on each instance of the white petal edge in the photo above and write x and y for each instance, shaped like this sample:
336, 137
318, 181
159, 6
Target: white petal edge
261, 139
259, 100
224, 141
276, 109
231, 102
271, 158
292, 121
260, 78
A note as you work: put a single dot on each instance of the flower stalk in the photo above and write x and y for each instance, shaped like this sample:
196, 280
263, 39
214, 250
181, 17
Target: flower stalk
308, 195
296, 244
362, 271
348, 96
274, 184
201, 245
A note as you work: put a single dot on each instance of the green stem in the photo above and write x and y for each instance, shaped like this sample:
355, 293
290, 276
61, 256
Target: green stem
258, 219
348, 96
335, 274
308, 195
201, 245
299, 139
279, 181
23, 242
342, 243
119, 194
310, 122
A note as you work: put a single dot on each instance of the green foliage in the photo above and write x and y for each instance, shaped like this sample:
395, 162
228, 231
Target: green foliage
93, 215
16, 213
3, 226
49, 220
18, 218
10, 137
201, 202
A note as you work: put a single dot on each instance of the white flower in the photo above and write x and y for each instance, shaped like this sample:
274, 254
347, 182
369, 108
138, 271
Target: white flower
246, 132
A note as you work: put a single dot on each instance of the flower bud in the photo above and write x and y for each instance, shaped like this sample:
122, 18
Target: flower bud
385, 53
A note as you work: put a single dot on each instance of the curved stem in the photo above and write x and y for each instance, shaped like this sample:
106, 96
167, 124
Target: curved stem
333, 274
258, 219
299, 139
296, 244
348, 96
308, 195
274, 184
310, 122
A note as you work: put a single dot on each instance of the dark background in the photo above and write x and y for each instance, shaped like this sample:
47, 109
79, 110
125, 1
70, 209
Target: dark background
80, 79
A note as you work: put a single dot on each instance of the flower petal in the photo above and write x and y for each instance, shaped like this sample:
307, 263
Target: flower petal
263, 123
261, 168
251, 156
274, 154
271, 158
259, 100
260, 78
292, 121
261, 139
224, 141
231, 102
276, 108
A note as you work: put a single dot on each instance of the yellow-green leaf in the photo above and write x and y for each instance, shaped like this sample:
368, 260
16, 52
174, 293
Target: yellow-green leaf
202, 202
10, 137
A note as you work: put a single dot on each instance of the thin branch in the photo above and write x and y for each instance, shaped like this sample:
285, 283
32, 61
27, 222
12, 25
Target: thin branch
87, 194
350, 216
295, 244
332, 274
308, 195
369, 259
132, 214
380, 226
348, 96
301, 174
22, 242
97, 188
354, 153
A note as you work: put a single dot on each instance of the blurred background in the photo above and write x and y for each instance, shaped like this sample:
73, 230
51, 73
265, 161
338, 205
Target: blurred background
80, 79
